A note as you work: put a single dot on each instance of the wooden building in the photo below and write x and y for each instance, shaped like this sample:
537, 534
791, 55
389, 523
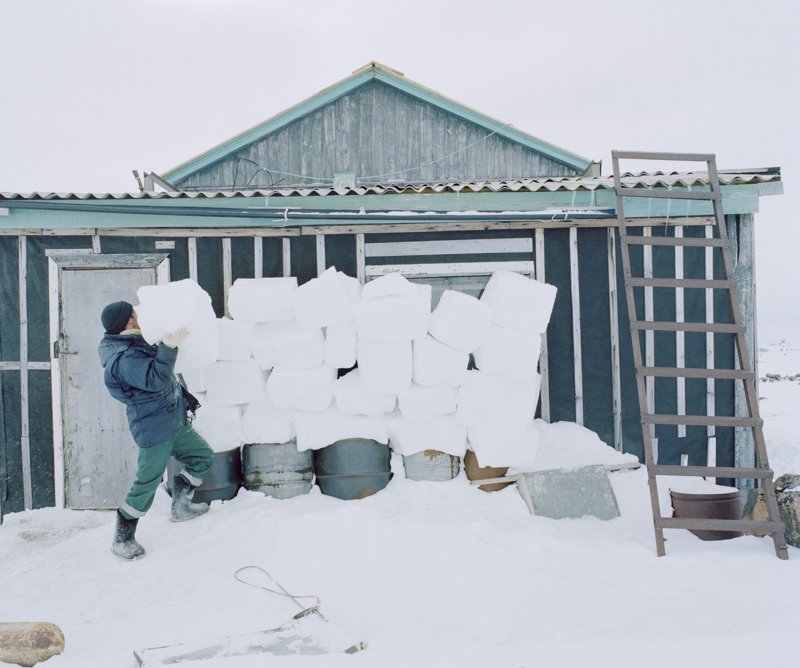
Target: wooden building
373, 174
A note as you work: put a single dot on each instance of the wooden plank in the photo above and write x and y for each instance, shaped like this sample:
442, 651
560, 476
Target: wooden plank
25, 441
320, 246
680, 349
287, 257
576, 323
700, 283
361, 272
674, 241
671, 194
544, 393
713, 471
662, 155
191, 246
258, 257
684, 372
227, 273
196, 231
10, 365
449, 268
702, 420
649, 337
54, 305
96, 243
711, 400
710, 327
613, 305
449, 247
726, 525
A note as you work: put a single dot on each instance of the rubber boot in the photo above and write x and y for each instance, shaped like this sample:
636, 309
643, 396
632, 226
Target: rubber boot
125, 545
182, 507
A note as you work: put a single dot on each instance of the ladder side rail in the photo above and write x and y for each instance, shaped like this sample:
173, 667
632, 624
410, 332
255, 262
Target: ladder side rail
637, 358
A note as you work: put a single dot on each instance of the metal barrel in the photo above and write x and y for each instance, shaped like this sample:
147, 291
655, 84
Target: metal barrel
222, 482
722, 506
353, 468
431, 465
475, 471
278, 470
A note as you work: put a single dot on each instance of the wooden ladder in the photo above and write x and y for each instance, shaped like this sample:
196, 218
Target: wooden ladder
744, 372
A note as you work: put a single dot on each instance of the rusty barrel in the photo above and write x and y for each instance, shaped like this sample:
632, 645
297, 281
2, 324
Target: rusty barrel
353, 468
278, 470
222, 482
723, 506
432, 465
475, 471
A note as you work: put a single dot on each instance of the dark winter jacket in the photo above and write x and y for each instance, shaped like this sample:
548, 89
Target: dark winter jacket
141, 376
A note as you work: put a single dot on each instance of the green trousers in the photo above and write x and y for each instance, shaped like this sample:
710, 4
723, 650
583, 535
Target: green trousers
188, 447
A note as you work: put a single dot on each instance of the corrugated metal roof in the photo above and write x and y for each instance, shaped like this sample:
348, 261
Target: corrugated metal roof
551, 184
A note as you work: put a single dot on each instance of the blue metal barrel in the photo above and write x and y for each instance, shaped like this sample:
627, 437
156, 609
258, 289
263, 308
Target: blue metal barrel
222, 482
277, 469
353, 468
431, 465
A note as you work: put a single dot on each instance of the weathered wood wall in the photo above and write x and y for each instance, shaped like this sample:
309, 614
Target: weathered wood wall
381, 135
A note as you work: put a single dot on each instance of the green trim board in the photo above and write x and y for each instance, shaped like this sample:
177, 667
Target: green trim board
377, 72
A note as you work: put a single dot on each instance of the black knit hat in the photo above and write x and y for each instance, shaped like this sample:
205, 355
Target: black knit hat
115, 316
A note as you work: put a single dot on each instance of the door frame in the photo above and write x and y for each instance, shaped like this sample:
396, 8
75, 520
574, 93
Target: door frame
57, 264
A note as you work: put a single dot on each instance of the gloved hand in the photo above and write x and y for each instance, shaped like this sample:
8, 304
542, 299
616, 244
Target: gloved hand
174, 339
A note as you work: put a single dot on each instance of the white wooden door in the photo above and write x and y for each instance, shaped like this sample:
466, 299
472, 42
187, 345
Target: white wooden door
97, 449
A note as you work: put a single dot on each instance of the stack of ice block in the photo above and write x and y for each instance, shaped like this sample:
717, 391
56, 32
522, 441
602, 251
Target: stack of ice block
274, 372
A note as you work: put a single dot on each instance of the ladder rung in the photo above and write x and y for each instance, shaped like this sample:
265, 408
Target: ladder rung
683, 372
723, 328
713, 471
702, 420
678, 283
674, 241
663, 155
669, 194
724, 525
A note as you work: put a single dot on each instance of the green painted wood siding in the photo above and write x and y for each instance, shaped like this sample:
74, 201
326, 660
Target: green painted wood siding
381, 135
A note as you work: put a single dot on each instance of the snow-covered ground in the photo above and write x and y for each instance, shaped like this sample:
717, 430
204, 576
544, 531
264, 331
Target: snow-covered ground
427, 573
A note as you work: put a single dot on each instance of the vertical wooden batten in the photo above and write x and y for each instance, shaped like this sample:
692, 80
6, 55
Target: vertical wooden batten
680, 342
576, 322
287, 257
361, 259
613, 305
25, 441
320, 243
544, 394
649, 335
55, 385
711, 399
227, 272
258, 257
191, 248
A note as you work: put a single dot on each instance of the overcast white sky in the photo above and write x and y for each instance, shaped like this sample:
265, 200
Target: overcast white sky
91, 89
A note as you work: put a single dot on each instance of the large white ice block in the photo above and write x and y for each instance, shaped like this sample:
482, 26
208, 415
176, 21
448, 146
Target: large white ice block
439, 433
385, 367
220, 426
262, 299
438, 364
234, 382
503, 445
317, 429
302, 389
264, 423
420, 403
461, 321
235, 339
510, 353
168, 307
283, 344
396, 317
387, 286
518, 302
352, 397
195, 380
325, 300
486, 398
340, 345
